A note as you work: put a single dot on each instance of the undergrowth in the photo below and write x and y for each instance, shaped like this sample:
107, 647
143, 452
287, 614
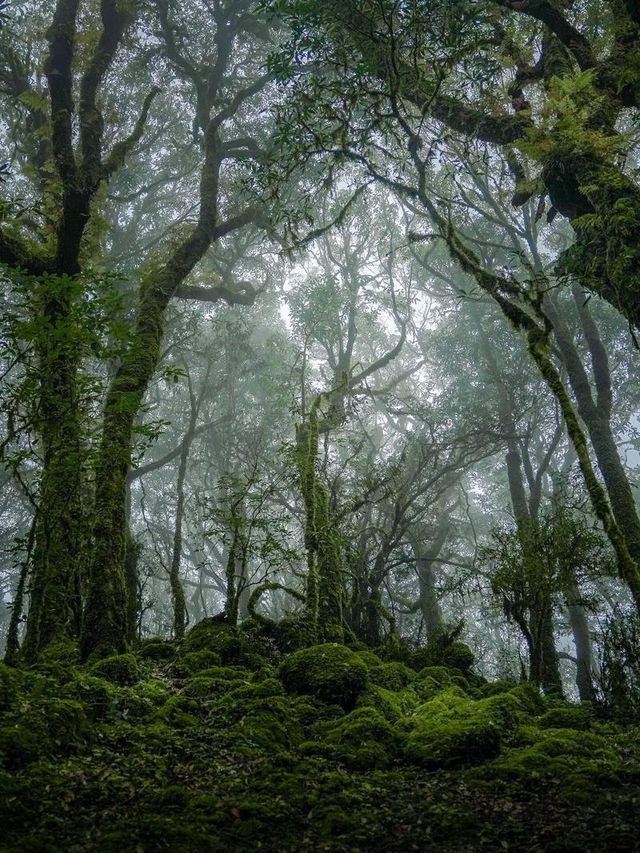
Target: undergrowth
232, 742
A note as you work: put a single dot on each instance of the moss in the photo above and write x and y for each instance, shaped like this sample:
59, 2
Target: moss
363, 739
569, 717
391, 704
10, 684
119, 669
331, 672
370, 659
63, 652
209, 634
193, 662
455, 655
494, 688
529, 698
258, 717
452, 730
392, 676
575, 760
224, 673
157, 650
179, 712
40, 729
142, 699
432, 680
204, 687
97, 696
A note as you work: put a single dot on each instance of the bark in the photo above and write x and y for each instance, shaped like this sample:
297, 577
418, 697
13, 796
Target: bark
425, 557
596, 415
582, 642
325, 576
54, 593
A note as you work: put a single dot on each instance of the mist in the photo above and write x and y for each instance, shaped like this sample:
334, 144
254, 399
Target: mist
319, 425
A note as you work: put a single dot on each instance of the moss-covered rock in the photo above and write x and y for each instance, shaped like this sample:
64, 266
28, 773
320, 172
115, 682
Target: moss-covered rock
118, 669
577, 761
453, 730
193, 662
209, 634
454, 655
156, 649
44, 727
141, 700
331, 672
179, 712
362, 739
393, 675
97, 696
577, 717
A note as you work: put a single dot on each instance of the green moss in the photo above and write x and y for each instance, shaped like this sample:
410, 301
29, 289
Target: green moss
10, 683
391, 704
575, 760
179, 712
204, 687
392, 676
452, 730
42, 728
331, 672
209, 634
258, 717
362, 740
142, 699
193, 662
97, 696
455, 655
529, 698
370, 659
569, 717
158, 650
119, 669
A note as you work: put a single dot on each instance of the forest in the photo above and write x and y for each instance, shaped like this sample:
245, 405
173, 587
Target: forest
319, 425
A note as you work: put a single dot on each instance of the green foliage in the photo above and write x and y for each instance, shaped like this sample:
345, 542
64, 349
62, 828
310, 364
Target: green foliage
330, 672
362, 739
443, 651
620, 667
98, 696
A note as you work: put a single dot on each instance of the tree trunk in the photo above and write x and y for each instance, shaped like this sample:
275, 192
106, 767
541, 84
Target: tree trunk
325, 581
55, 600
582, 642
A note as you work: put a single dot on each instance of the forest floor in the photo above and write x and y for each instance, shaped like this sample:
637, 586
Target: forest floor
227, 743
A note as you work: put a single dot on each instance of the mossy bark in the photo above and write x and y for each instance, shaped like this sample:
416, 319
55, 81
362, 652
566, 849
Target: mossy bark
54, 590
596, 414
325, 576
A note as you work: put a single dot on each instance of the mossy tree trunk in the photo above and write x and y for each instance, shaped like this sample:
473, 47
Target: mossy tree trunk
539, 633
582, 642
55, 594
325, 577
595, 411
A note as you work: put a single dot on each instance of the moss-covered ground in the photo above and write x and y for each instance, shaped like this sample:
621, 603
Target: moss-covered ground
232, 741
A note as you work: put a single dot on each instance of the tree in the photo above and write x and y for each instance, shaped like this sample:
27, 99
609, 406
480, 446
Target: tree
52, 251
